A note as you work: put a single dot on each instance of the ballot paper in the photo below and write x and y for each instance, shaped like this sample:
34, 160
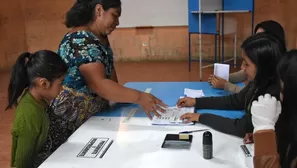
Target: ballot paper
193, 93
222, 70
172, 116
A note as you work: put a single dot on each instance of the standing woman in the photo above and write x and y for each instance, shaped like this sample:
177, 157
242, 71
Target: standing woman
92, 78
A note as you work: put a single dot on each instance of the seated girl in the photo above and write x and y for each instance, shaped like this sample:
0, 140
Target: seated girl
261, 53
268, 118
270, 26
36, 79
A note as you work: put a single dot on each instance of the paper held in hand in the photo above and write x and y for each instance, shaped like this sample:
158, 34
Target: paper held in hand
222, 70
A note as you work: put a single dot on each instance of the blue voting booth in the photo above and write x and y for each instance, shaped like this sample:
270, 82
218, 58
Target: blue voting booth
207, 17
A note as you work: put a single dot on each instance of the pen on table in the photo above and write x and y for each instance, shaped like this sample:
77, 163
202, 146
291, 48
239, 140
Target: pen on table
188, 132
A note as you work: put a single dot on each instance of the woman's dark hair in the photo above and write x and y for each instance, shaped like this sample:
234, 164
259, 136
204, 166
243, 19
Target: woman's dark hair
287, 72
83, 11
274, 28
265, 51
45, 64
287, 124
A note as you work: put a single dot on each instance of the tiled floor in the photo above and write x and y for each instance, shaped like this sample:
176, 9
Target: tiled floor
137, 71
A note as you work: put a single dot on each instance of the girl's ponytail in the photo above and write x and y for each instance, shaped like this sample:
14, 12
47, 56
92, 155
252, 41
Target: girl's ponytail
19, 79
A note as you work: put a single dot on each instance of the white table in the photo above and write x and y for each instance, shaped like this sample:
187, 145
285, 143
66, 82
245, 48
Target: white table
137, 144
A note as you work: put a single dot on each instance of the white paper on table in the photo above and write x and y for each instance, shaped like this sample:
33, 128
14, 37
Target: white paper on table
222, 70
172, 116
193, 93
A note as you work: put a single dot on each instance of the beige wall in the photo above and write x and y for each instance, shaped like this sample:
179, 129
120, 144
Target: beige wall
12, 33
37, 24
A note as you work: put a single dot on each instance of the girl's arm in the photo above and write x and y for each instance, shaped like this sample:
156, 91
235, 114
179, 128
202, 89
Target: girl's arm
25, 154
231, 102
29, 130
237, 77
233, 88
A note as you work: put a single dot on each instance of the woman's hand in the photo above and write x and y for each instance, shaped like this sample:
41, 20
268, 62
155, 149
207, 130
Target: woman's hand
151, 104
190, 117
218, 82
186, 102
210, 78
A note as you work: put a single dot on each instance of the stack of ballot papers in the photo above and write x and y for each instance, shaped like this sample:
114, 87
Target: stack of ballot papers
172, 116
193, 93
